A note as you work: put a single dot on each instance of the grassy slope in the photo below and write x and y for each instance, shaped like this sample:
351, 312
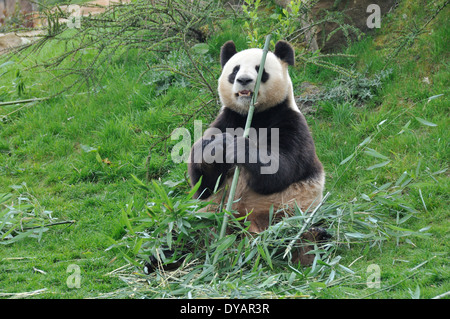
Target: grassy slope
42, 145
427, 145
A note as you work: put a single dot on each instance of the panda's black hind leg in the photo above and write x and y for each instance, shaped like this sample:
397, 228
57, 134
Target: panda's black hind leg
306, 241
154, 263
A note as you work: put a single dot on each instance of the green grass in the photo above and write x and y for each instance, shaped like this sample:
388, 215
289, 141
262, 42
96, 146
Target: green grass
76, 155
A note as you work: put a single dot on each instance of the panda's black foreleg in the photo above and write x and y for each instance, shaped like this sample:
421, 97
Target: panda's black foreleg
213, 156
271, 170
208, 162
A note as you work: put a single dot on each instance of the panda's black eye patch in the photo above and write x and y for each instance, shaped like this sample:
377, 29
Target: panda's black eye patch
265, 75
232, 75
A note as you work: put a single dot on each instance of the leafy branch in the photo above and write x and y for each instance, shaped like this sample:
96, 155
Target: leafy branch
151, 28
21, 216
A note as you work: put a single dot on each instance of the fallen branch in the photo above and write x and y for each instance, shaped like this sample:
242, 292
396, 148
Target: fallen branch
22, 295
52, 224
24, 101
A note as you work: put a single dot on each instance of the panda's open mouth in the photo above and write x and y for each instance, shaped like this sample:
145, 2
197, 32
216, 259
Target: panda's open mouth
244, 93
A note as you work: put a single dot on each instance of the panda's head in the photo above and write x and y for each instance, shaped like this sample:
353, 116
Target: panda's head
239, 73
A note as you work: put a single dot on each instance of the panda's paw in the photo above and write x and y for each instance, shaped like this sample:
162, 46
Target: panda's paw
241, 150
214, 147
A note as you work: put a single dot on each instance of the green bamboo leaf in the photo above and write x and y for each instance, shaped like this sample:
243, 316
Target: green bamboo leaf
416, 293
425, 122
126, 221
404, 219
140, 183
424, 229
401, 178
162, 194
172, 184
250, 256
358, 235
138, 245
130, 260
386, 201
169, 236
404, 128
331, 277
4, 197
384, 186
366, 140
269, 282
20, 236
194, 189
6, 234
271, 214
400, 229
347, 159
434, 97
98, 157
372, 152
88, 149
256, 264
200, 48
317, 285
224, 243
6, 64
262, 249
439, 172
346, 269
378, 165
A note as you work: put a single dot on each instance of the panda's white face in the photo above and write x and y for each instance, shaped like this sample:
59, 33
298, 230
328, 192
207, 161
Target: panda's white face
238, 78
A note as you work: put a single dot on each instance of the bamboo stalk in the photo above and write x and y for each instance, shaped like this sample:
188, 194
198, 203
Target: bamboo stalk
246, 133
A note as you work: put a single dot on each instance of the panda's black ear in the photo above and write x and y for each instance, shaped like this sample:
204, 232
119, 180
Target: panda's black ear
285, 52
227, 51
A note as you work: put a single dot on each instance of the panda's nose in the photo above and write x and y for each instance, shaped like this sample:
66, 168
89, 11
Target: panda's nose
244, 80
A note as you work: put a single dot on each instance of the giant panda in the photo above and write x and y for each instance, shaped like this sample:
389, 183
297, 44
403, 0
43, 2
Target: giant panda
282, 176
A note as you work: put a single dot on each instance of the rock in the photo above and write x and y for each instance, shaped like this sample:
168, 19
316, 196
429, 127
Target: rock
12, 40
282, 3
356, 15
305, 100
8, 41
